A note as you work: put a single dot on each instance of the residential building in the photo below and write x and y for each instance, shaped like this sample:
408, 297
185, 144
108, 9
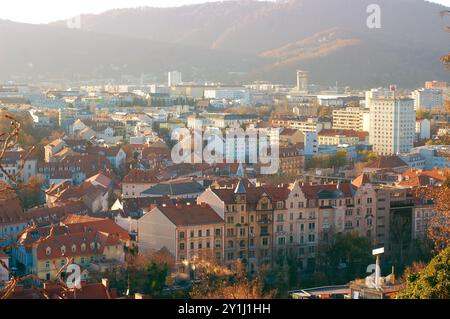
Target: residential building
428, 99
188, 231
292, 161
392, 129
341, 136
174, 78
423, 130
138, 181
350, 118
18, 164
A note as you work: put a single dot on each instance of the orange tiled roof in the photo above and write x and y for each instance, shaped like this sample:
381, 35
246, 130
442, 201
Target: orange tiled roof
361, 180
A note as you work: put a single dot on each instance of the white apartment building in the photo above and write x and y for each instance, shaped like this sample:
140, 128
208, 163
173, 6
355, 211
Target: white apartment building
393, 125
174, 78
377, 93
310, 125
350, 118
428, 99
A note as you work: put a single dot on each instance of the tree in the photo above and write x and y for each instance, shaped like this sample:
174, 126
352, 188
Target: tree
218, 282
142, 274
439, 227
344, 249
31, 196
433, 282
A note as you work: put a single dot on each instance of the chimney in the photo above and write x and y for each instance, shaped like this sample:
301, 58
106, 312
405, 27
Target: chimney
203, 204
105, 283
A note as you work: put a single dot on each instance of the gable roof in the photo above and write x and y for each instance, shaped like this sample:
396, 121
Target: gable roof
141, 176
387, 162
190, 215
11, 211
361, 180
328, 191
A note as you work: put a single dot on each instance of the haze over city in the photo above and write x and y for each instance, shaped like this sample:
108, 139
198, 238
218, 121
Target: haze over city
38, 12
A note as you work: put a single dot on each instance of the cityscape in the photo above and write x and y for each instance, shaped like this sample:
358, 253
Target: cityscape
222, 169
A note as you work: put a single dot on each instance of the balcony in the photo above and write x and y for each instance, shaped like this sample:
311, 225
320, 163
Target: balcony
264, 221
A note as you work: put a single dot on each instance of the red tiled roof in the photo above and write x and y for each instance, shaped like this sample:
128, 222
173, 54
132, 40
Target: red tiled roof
55, 243
11, 212
190, 215
77, 223
416, 178
312, 191
141, 176
387, 162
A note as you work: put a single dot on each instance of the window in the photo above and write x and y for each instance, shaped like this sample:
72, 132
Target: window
48, 251
200, 233
63, 250
181, 235
192, 245
182, 246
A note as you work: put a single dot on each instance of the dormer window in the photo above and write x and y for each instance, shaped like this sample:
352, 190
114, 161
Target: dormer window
48, 251
63, 250
74, 248
83, 247
92, 245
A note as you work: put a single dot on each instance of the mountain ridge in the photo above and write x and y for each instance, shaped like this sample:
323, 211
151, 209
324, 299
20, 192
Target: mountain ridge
261, 40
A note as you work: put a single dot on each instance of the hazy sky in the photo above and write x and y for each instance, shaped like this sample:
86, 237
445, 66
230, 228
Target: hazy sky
43, 11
